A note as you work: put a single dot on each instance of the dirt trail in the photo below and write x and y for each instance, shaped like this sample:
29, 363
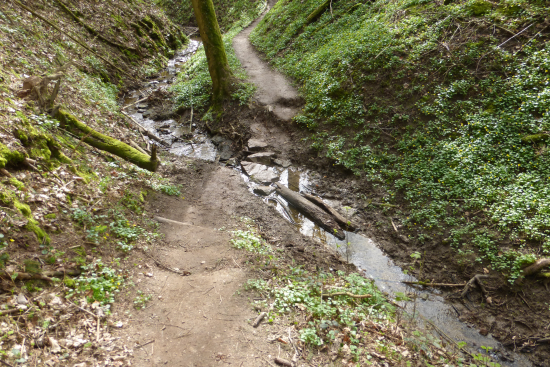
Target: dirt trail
203, 319
274, 90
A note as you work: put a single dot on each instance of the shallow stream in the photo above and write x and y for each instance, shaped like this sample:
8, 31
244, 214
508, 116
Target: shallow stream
185, 139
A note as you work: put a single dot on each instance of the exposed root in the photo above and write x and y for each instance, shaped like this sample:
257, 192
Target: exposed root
472, 284
536, 267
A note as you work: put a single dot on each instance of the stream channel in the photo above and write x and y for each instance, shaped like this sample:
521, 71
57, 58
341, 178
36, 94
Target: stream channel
185, 139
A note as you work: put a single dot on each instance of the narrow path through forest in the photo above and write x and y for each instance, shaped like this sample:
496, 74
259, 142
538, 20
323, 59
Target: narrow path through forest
273, 89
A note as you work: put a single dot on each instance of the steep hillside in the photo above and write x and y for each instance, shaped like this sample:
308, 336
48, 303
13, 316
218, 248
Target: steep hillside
442, 108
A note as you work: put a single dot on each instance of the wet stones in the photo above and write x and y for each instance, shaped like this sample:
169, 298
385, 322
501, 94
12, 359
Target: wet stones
262, 158
264, 190
259, 172
224, 147
282, 162
255, 145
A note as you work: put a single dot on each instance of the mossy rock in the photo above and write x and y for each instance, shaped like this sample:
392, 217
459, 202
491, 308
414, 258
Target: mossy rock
479, 7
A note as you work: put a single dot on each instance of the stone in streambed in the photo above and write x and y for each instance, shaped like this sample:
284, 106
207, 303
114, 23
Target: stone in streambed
282, 162
259, 172
264, 190
262, 158
255, 145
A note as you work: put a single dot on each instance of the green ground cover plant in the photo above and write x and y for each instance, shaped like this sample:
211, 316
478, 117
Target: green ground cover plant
436, 105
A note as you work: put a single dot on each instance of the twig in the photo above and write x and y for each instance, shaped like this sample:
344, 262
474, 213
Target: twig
259, 319
136, 102
347, 294
5, 363
434, 284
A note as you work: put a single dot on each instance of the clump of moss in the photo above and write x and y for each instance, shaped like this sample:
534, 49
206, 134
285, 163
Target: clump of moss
479, 7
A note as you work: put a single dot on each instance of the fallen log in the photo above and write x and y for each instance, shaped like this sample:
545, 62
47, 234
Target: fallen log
318, 215
428, 284
340, 219
312, 17
536, 267
106, 143
348, 294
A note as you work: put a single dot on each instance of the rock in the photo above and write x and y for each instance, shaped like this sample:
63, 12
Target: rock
256, 145
231, 162
55, 348
217, 139
282, 162
263, 158
21, 299
225, 150
259, 172
264, 190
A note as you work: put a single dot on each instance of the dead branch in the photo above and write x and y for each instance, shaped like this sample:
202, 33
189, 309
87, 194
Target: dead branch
145, 131
259, 319
426, 284
472, 284
360, 296
24, 276
536, 267
340, 219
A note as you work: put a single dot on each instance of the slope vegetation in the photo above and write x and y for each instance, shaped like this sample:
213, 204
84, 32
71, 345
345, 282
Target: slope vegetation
443, 107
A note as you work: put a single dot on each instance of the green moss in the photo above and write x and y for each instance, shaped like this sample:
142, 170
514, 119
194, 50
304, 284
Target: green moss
10, 157
106, 143
32, 266
15, 182
23, 208
479, 7
50, 216
69, 282
142, 196
536, 138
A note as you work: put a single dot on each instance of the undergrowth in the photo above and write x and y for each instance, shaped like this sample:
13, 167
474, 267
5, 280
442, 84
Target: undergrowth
430, 103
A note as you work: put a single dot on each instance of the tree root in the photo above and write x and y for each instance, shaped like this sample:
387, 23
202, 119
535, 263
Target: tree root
472, 284
106, 143
536, 267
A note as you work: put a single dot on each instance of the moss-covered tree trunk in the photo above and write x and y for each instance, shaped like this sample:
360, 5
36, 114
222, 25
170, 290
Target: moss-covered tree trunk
214, 48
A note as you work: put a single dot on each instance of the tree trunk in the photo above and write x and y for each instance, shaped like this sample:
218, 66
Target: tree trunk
214, 49
318, 215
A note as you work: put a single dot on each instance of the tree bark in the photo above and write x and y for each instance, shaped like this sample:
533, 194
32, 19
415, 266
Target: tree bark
214, 49
106, 143
318, 215
340, 219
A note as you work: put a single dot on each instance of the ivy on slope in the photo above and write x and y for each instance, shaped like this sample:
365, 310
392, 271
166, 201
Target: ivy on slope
431, 102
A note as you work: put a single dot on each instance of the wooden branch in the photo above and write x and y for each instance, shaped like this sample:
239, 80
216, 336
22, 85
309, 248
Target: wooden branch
536, 267
426, 284
259, 319
145, 131
283, 362
319, 216
170, 221
472, 284
24, 276
107, 143
92, 31
360, 296
340, 219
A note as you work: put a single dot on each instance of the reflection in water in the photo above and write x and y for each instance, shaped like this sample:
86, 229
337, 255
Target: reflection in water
374, 264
